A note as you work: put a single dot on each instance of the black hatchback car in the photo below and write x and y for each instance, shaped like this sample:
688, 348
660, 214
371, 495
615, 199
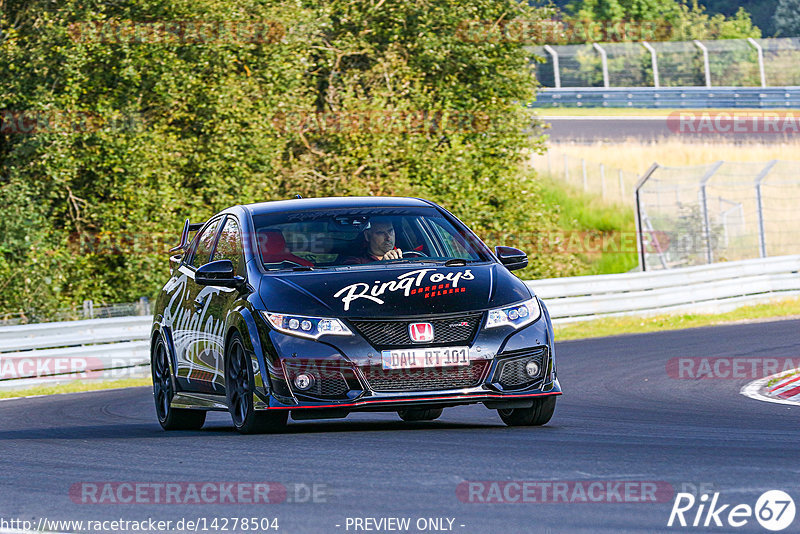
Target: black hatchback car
322, 307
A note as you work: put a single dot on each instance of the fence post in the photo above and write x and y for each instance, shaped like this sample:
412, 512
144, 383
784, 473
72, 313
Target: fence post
602, 181
143, 306
585, 180
706, 67
762, 238
88, 309
556, 71
704, 201
760, 52
654, 61
603, 62
638, 215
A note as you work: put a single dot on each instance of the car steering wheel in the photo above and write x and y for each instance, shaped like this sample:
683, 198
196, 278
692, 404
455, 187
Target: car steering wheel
414, 254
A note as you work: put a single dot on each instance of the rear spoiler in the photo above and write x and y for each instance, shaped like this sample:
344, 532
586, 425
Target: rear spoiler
187, 227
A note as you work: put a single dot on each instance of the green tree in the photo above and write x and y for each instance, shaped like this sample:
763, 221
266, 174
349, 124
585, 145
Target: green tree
184, 128
787, 18
678, 19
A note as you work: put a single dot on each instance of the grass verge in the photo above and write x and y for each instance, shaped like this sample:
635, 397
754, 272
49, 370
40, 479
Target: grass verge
595, 230
76, 386
636, 157
613, 326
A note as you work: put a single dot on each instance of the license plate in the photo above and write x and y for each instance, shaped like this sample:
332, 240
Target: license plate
416, 358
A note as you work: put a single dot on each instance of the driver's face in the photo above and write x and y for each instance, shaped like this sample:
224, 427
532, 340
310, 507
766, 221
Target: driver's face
380, 238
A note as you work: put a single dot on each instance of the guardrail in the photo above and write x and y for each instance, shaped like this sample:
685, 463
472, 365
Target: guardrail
670, 97
110, 348
708, 288
47, 353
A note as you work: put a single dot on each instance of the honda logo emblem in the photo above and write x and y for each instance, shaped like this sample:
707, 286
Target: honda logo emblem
420, 332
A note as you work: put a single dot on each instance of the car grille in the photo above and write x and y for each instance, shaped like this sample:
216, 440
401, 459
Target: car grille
328, 383
393, 333
426, 379
511, 371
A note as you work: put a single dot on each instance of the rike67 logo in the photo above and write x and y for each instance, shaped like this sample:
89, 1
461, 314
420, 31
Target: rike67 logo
774, 510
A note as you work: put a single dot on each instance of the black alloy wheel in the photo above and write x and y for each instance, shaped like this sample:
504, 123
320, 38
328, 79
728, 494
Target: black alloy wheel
239, 391
164, 390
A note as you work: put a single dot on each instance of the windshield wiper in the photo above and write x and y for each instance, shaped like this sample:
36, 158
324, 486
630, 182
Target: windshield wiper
455, 262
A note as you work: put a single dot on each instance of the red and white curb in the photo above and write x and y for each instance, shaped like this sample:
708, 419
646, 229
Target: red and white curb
784, 391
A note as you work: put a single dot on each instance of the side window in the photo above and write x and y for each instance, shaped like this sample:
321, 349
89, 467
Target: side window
229, 246
205, 245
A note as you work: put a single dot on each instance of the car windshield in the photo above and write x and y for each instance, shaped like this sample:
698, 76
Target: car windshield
349, 237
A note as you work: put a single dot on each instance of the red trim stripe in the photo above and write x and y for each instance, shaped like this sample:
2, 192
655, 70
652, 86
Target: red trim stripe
384, 401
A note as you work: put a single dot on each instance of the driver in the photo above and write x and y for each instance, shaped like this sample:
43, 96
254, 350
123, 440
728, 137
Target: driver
379, 237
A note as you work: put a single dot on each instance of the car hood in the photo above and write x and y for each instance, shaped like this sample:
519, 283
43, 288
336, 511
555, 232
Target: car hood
386, 291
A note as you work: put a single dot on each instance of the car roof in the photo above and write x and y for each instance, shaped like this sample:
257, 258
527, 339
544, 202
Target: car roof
308, 204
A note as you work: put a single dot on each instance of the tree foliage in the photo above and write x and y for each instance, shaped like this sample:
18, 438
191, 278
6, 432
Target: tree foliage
787, 18
183, 129
679, 20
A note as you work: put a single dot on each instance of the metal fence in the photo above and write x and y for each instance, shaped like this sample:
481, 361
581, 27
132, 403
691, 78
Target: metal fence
723, 211
721, 63
611, 183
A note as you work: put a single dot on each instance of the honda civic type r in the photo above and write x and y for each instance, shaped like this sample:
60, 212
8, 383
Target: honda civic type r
322, 307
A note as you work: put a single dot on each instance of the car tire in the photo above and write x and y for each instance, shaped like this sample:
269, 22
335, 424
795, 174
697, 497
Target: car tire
239, 392
420, 414
164, 390
537, 415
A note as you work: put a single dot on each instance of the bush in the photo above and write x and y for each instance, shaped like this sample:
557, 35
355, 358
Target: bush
144, 134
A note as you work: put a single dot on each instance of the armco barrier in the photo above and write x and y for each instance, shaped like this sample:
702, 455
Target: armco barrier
49, 352
108, 345
670, 97
708, 288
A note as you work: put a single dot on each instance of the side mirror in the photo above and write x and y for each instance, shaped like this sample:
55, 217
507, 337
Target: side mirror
512, 258
218, 273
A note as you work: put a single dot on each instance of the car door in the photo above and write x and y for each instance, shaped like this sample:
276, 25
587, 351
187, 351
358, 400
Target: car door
191, 334
221, 300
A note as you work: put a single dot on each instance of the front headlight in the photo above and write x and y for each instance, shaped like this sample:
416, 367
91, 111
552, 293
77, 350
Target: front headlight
515, 316
311, 327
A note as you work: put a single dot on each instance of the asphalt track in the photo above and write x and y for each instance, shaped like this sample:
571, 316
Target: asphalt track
618, 129
621, 418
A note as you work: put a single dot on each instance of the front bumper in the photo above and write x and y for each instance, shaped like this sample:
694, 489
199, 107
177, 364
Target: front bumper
350, 377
